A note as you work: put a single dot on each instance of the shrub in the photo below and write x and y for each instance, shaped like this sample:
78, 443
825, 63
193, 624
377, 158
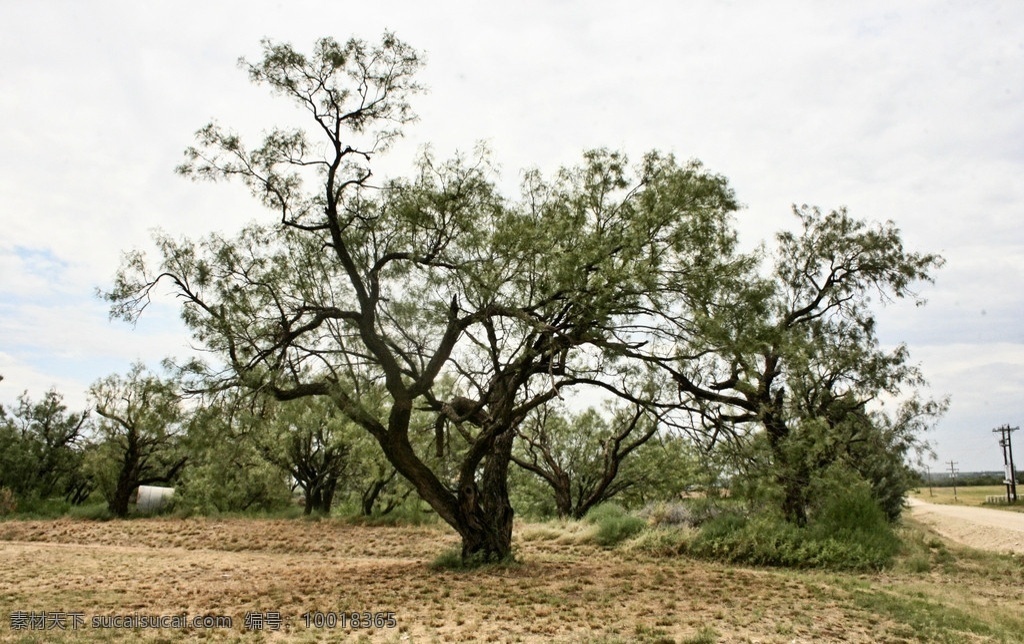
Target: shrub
35, 508
849, 532
663, 541
614, 525
668, 514
91, 511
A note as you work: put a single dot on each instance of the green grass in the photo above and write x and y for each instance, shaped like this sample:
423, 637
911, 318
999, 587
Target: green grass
928, 621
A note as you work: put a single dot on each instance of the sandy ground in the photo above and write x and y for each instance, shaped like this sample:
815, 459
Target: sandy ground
980, 528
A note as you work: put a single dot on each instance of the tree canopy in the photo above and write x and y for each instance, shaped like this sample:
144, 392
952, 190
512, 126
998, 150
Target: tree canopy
437, 305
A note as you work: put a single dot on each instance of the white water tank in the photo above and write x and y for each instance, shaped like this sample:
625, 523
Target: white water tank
153, 498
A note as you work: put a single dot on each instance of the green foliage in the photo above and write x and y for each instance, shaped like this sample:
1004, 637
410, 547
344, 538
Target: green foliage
614, 524
227, 472
849, 531
36, 508
661, 541
41, 450
312, 444
91, 512
437, 303
793, 366
585, 459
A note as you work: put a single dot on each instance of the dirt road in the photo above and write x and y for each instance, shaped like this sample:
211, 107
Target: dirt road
980, 528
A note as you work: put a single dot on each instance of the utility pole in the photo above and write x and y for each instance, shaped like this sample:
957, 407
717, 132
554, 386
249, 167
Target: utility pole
929, 470
1011, 473
952, 474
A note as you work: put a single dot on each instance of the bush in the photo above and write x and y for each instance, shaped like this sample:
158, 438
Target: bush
663, 541
35, 508
673, 514
848, 532
614, 525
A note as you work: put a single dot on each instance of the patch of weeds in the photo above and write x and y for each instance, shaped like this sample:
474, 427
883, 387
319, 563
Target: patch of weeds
614, 525
41, 509
663, 541
929, 620
451, 559
91, 512
918, 563
542, 532
848, 533
671, 514
653, 635
706, 635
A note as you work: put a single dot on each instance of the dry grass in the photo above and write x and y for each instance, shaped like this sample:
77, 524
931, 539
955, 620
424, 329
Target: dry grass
565, 589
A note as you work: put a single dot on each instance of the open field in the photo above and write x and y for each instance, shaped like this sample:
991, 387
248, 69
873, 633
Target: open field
564, 589
974, 495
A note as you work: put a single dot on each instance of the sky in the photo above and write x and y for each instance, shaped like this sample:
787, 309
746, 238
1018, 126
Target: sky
906, 111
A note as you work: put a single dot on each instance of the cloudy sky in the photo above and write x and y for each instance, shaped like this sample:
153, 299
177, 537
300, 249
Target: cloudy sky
912, 113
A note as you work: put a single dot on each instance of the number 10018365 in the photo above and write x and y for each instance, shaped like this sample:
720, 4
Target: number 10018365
348, 619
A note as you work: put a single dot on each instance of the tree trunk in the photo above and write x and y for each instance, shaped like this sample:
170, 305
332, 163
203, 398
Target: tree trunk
127, 480
308, 502
795, 481
791, 472
487, 514
563, 494
369, 498
118, 504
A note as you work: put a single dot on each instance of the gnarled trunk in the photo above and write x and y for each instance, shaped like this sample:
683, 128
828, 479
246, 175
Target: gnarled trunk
485, 513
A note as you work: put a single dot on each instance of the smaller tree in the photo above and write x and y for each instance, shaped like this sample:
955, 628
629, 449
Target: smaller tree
313, 445
140, 431
41, 447
227, 471
796, 357
583, 458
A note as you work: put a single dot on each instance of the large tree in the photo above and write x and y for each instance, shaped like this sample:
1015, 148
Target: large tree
468, 309
795, 355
